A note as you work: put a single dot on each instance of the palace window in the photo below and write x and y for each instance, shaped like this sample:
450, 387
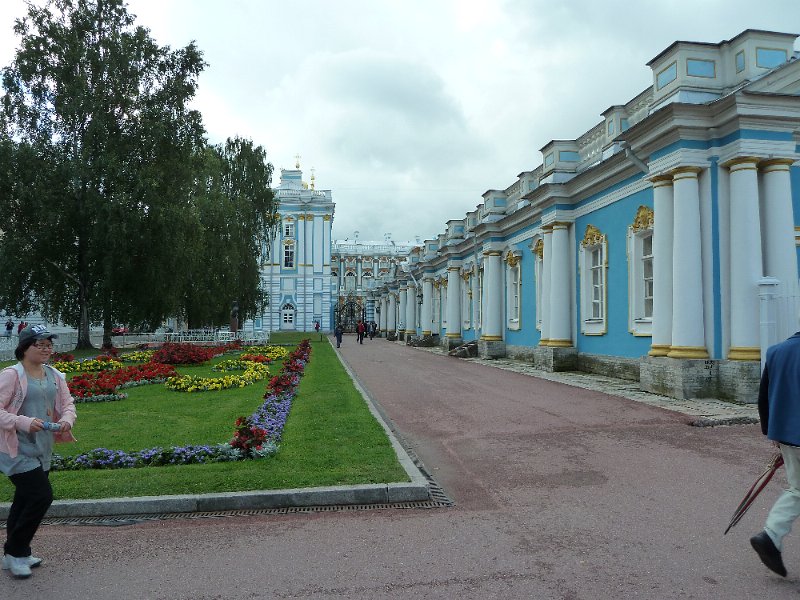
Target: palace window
288, 255
288, 229
287, 314
594, 267
466, 304
667, 76
479, 308
443, 291
435, 307
538, 269
640, 273
350, 281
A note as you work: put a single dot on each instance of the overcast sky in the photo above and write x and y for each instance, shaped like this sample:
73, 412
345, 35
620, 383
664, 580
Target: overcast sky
409, 110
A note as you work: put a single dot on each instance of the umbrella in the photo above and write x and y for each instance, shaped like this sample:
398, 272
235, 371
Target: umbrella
775, 463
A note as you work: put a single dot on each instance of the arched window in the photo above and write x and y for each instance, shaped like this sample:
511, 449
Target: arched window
350, 281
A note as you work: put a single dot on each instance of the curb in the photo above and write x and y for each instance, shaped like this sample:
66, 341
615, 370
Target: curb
417, 490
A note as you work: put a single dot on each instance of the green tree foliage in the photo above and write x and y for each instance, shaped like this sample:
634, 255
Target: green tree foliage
98, 160
237, 213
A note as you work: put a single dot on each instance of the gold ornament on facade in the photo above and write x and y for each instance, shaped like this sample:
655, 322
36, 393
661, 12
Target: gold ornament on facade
288, 242
538, 248
326, 218
592, 237
512, 260
644, 219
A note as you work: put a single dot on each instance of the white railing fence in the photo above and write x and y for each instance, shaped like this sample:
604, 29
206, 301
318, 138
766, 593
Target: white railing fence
67, 341
779, 313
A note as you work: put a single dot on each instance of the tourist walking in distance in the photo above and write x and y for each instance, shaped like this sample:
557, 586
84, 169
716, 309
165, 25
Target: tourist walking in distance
360, 330
338, 332
779, 409
9, 327
31, 394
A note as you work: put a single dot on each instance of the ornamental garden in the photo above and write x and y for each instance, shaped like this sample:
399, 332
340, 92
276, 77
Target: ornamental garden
186, 419
103, 379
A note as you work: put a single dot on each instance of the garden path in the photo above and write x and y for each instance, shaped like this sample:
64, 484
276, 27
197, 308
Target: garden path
560, 492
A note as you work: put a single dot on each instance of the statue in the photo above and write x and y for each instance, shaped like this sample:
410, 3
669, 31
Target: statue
235, 316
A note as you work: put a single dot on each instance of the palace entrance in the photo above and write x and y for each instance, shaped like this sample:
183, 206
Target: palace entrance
348, 312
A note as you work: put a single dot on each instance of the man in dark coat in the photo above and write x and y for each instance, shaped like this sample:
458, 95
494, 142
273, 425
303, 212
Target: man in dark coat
338, 332
779, 410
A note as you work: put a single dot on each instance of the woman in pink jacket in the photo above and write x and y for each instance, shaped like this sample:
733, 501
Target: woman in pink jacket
32, 394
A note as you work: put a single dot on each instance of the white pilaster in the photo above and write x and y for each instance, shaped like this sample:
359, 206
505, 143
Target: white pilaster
411, 310
663, 232
688, 331
453, 301
391, 323
547, 261
401, 317
384, 304
476, 291
745, 259
492, 329
427, 305
780, 256
561, 277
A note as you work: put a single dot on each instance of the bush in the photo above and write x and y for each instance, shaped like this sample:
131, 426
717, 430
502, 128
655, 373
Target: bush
184, 354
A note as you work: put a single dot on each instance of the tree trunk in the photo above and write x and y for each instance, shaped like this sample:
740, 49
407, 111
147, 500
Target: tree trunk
84, 339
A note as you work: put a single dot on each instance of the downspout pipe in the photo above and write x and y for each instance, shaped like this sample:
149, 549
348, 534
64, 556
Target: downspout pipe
633, 158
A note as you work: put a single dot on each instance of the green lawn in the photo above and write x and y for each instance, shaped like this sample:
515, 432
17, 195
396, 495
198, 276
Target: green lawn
330, 437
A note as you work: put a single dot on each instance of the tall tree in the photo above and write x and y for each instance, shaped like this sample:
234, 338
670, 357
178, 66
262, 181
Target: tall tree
237, 212
100, 230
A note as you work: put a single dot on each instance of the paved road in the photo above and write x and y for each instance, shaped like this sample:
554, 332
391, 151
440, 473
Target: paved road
560, 492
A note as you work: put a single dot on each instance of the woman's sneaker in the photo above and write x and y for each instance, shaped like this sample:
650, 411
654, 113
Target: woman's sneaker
19, 566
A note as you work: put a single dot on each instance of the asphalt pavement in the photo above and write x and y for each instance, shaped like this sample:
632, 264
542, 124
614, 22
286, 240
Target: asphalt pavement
560, 492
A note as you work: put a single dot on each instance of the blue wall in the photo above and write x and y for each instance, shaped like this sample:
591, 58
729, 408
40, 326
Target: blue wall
613, 221
528, 335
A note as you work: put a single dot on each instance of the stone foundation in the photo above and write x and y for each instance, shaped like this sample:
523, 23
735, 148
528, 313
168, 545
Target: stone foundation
611, 366
555, 359
732, 380
491, 349
448, 343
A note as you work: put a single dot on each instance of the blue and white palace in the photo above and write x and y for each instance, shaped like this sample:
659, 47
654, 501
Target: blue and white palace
652, 247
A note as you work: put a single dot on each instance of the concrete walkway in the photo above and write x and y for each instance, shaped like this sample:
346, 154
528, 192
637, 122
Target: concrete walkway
560, 491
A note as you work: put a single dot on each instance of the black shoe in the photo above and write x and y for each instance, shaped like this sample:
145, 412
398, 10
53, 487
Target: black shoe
768, 553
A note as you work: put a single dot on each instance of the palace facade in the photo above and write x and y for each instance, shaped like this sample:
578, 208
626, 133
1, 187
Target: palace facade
649, 247
297, 274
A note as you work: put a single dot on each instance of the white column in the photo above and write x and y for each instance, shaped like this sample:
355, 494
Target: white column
745, 259
688, 329
663, 232
411, 310
560, 288
427, 306
391, 316
780, 256
384, 313
453, 302
476, 290
401, 316
492, 329
547, 261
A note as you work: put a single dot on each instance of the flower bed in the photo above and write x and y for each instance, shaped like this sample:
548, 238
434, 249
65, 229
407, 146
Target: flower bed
191, 383
235, 364
140, 356
256, 436
185, 354
101, 363
102, 386
271, 352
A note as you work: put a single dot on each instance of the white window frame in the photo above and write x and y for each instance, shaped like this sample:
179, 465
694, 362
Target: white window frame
514, 294
350, 281
435, 314
594, 287
479, 308
466, 308
639, 322
443, 292
288, 255
538, 274
288, 229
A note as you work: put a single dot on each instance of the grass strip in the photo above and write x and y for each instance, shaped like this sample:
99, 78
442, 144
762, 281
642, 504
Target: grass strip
330, 438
